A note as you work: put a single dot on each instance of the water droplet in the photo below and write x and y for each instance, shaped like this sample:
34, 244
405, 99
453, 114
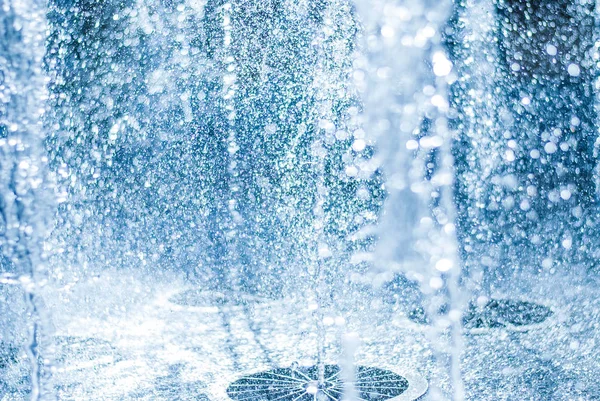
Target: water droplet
551, 49
550, 148
441, 65
573, 70
444, 265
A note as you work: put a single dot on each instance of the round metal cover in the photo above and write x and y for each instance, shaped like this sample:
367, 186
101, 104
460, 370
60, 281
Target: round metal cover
511, 314
301, 384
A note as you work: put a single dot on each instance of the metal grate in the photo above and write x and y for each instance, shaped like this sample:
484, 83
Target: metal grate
302, 384
496, 313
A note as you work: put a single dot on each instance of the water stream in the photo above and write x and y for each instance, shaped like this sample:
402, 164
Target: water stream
26, 193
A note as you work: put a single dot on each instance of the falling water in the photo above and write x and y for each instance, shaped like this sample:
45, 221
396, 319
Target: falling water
474, 50
331, 97
229, 88
401, 92
25, 196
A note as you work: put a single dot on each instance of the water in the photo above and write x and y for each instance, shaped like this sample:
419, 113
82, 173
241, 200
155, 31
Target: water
199, 196
26, 193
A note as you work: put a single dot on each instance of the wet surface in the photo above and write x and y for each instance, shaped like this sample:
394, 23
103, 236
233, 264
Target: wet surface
158, 350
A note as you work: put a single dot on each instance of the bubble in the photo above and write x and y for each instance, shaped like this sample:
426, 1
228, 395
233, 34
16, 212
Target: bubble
573, 70
550, 148
441, 65
551, 49
509, 155
436, 283
575, 121
351, 171
439, 101
387, 31
444, 265
341, 135
359, 145
412, 144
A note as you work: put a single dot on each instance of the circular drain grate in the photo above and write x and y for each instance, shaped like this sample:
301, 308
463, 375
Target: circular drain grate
301, 384
496, 313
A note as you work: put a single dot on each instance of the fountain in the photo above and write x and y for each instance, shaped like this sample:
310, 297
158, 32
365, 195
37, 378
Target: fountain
298, 200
